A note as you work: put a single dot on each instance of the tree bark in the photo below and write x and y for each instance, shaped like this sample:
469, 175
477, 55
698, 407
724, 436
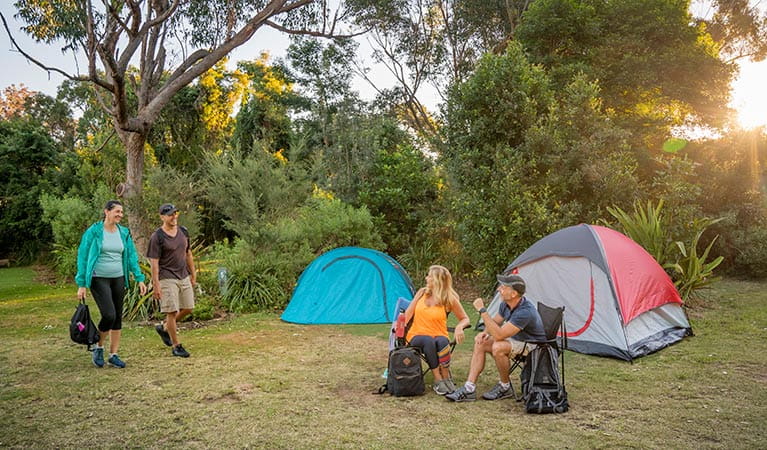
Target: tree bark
132, 189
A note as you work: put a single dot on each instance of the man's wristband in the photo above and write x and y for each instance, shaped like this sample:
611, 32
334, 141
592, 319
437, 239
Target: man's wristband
482, 310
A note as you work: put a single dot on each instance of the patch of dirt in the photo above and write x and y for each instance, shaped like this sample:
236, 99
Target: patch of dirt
229, 397
192, 324
45, 275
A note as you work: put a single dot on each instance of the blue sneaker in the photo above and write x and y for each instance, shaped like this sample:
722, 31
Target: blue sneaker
98, 356
115, 361
180, 351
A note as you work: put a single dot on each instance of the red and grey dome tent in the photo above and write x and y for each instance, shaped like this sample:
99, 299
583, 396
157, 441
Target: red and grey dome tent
618, 300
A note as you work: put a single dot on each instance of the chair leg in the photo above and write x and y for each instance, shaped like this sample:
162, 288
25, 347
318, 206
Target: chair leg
517, 363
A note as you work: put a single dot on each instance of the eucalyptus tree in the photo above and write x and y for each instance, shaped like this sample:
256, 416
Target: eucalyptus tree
738, 26
436, 43
172, 42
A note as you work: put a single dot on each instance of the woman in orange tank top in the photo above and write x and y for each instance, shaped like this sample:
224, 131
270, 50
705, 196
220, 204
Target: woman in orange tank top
428, 331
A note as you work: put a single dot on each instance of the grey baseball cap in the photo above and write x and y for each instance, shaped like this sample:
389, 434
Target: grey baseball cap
513, 281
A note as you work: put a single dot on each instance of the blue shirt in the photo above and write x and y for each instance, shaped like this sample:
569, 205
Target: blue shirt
110, 261
525, 317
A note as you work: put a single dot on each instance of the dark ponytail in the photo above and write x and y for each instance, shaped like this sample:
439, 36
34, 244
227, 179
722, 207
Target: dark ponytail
111, 204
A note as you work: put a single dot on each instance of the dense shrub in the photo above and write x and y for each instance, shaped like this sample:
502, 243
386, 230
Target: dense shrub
750, 245
524, 160
68, 218
263, 276
401, 193
248, 191
165, 184
27, 154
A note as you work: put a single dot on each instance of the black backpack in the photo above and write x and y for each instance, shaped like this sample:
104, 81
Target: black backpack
405, 374
82, 330
543, 391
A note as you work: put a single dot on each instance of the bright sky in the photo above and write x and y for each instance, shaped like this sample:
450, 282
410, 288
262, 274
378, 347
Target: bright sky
749, 96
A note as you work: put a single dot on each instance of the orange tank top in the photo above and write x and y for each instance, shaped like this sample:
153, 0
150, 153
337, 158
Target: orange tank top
428, 321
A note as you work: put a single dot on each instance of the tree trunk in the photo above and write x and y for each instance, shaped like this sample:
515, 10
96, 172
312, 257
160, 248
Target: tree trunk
132, 189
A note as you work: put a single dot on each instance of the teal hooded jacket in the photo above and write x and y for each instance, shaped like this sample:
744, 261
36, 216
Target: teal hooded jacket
90, 248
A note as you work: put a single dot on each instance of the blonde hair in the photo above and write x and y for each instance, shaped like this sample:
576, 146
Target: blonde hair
442, 286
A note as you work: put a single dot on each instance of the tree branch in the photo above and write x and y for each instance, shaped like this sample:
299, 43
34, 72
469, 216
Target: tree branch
112, 12
294, 5
35, 61
305, 32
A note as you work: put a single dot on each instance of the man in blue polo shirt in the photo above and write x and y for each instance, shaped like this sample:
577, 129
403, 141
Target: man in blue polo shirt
504, 337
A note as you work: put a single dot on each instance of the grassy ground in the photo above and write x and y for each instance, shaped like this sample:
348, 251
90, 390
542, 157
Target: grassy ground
254, 381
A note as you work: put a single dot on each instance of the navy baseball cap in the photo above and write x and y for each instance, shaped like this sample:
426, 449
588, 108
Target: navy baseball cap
167, 209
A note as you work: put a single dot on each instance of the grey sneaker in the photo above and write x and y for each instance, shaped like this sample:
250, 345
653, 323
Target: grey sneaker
115, 361
164, 335
98, 356
450, 385
440, 387
461, 395
498, 392
179, 351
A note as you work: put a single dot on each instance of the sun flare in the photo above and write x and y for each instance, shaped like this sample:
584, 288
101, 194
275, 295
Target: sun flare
750, 95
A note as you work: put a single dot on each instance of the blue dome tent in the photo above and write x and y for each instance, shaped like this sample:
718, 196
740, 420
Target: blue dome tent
349, 285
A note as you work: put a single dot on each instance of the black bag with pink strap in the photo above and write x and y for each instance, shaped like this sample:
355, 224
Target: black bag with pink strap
82, 330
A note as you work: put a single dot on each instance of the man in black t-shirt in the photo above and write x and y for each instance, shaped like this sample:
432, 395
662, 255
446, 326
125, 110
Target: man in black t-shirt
173, 275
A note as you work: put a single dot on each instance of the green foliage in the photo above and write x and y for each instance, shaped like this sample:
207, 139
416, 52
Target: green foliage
401, 192
651, 59
262, 276
524, 160
420, 256
248, 191
140, 307
69, 217
750, 244
689, 270
263, 117
645, 226
204, 309
677, 182
27, 156
323, 224
167, 184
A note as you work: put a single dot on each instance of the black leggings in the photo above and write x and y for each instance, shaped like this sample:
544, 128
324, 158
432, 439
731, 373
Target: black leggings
109, 294
435, 349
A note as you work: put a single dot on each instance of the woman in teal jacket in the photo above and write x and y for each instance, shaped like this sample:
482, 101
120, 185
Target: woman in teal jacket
104, 259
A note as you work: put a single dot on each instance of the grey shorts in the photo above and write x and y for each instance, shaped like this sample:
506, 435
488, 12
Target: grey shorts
176, 295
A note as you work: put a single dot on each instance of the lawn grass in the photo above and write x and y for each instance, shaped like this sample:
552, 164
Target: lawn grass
254, 381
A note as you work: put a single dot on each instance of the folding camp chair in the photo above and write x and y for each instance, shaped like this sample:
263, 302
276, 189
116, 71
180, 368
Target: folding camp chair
553, 323
399, 331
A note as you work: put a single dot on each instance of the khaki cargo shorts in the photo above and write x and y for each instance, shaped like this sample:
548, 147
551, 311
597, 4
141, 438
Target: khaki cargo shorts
518, 347
176, 295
